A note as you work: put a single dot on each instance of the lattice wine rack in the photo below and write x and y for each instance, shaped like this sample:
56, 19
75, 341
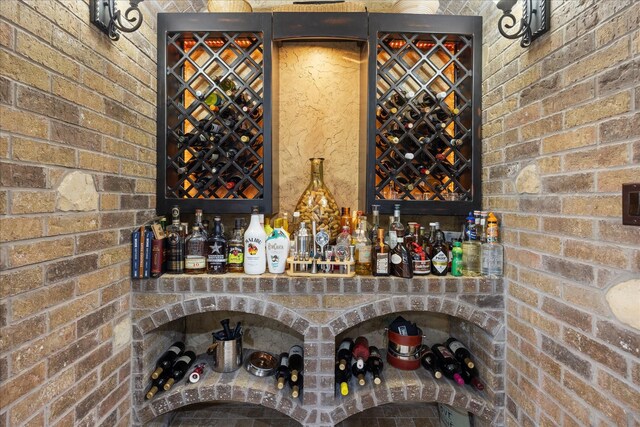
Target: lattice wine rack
215, 124
423, 141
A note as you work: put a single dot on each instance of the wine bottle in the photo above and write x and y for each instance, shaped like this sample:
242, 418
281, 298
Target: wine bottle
158, 384
342, 379
180, 368
450, 366
166, 360
358, 372
470, 376
460, 352
296, 385
430, 363
282, 371
361, 351
375, 364
383, 113
295, 362
345, 351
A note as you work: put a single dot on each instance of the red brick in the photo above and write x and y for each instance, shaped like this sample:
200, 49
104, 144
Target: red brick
623, 338
567, 314
566, 357
594, 398
22, 384
596, 351
626, 395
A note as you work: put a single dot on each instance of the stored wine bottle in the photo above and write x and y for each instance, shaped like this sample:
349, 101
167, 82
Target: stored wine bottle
374, 364
450, 366
166, 360
342, 379
460, 352
295, 362
180, 368
430, 363
358, 372
296, 385
361, 351
345, 351
470, 376
282, 371
158, 384
383, 113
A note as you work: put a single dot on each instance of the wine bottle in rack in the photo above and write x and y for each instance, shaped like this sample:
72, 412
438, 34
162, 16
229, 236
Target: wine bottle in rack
358, 372
296, 385
342, 379
166, 360
460, 352
295, 362
344, 354
375, 364
430, 363
157, 385
179, 368
383, 113
282, 371
361, 351
470, 376
450, 366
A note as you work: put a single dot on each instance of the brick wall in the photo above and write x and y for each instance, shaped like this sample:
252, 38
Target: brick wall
566, 109
71, 100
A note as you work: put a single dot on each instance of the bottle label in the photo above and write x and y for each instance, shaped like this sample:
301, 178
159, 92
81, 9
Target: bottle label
382, 263
445, 353
194, 262
440, 261
492, 233
186, 359
236, 255
284, 361
296, 349
364, 253
456, 345
393, 239
396, 259
421, 266
345, 345
174, 349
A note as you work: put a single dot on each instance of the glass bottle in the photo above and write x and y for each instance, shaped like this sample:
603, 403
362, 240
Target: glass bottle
375, 222
175, 241
440, 258
345, 218
235, 249
471, 253
381, 256
396, 229
344, 239
421, 263
401, 264
198, 221
317, 202
195, 261
363, 249
492, 251
217, 249
255, 259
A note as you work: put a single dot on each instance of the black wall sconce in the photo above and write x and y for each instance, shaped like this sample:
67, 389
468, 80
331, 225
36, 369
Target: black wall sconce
105, 16
535, 20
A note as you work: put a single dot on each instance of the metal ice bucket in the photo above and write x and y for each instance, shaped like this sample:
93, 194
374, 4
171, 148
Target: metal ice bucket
227, 355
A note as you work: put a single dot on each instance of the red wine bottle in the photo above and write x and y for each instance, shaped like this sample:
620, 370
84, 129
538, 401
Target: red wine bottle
296, 385
342, 379
470, 376
180, 368
295, 362
361, 351
282, 371
358, 372
374, 364
450, 366
345, 351
158, 384
430, 363
460, 352
166, 360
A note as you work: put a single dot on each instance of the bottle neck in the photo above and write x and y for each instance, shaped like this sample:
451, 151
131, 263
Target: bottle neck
317, 174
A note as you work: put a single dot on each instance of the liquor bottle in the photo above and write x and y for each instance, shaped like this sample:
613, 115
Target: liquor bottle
471, 261
363, 249
277, 251
199, 223
460, 352
195, 261
381, 256
450, 366
180, 368
344, 354
296, 385
361, 351
344, 239
345, 218
374, 364
158, 384
440, 251
166, 360
255, 260
483, 227
401, 263
342, 379
295, 361
430, 363
421, 262
492, 251
470, 376
359, 372
217, 249
282, 371
396, 227
295, 225
235, 249
175, 262
456, 259
375, 223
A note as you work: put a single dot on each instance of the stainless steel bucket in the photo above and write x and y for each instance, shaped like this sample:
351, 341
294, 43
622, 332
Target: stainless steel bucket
227, 355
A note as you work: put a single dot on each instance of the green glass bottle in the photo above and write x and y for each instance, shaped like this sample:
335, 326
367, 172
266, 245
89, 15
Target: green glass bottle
456, 262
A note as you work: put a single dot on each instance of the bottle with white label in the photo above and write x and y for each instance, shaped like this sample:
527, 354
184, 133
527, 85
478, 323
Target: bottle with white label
440, 258
277, 251
255, 259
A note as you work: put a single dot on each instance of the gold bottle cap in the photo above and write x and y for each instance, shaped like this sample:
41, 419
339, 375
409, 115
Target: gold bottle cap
156, 373
169, 383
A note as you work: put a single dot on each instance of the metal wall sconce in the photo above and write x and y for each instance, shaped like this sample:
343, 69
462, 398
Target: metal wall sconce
535, 20
105, 16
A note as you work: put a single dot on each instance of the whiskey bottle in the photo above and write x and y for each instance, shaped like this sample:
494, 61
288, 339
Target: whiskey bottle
175, 262
217, 249
235, 246
401, 265
195, 261
198, 221
363, 249
381, 256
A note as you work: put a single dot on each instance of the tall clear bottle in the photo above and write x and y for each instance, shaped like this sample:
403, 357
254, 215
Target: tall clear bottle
363, 249
175, 262
492, 251
396, 229
471, 252
375, 222
255, 259
195, 261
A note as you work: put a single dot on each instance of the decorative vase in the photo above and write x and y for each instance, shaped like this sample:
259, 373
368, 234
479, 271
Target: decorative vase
317, 203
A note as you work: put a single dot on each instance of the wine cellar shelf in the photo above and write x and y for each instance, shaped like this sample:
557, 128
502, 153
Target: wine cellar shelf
316, 312
217, 108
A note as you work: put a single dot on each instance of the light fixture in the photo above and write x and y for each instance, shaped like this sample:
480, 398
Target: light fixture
535, 20
109, 19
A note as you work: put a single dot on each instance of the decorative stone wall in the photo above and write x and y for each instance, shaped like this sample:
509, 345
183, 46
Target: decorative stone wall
560, 136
